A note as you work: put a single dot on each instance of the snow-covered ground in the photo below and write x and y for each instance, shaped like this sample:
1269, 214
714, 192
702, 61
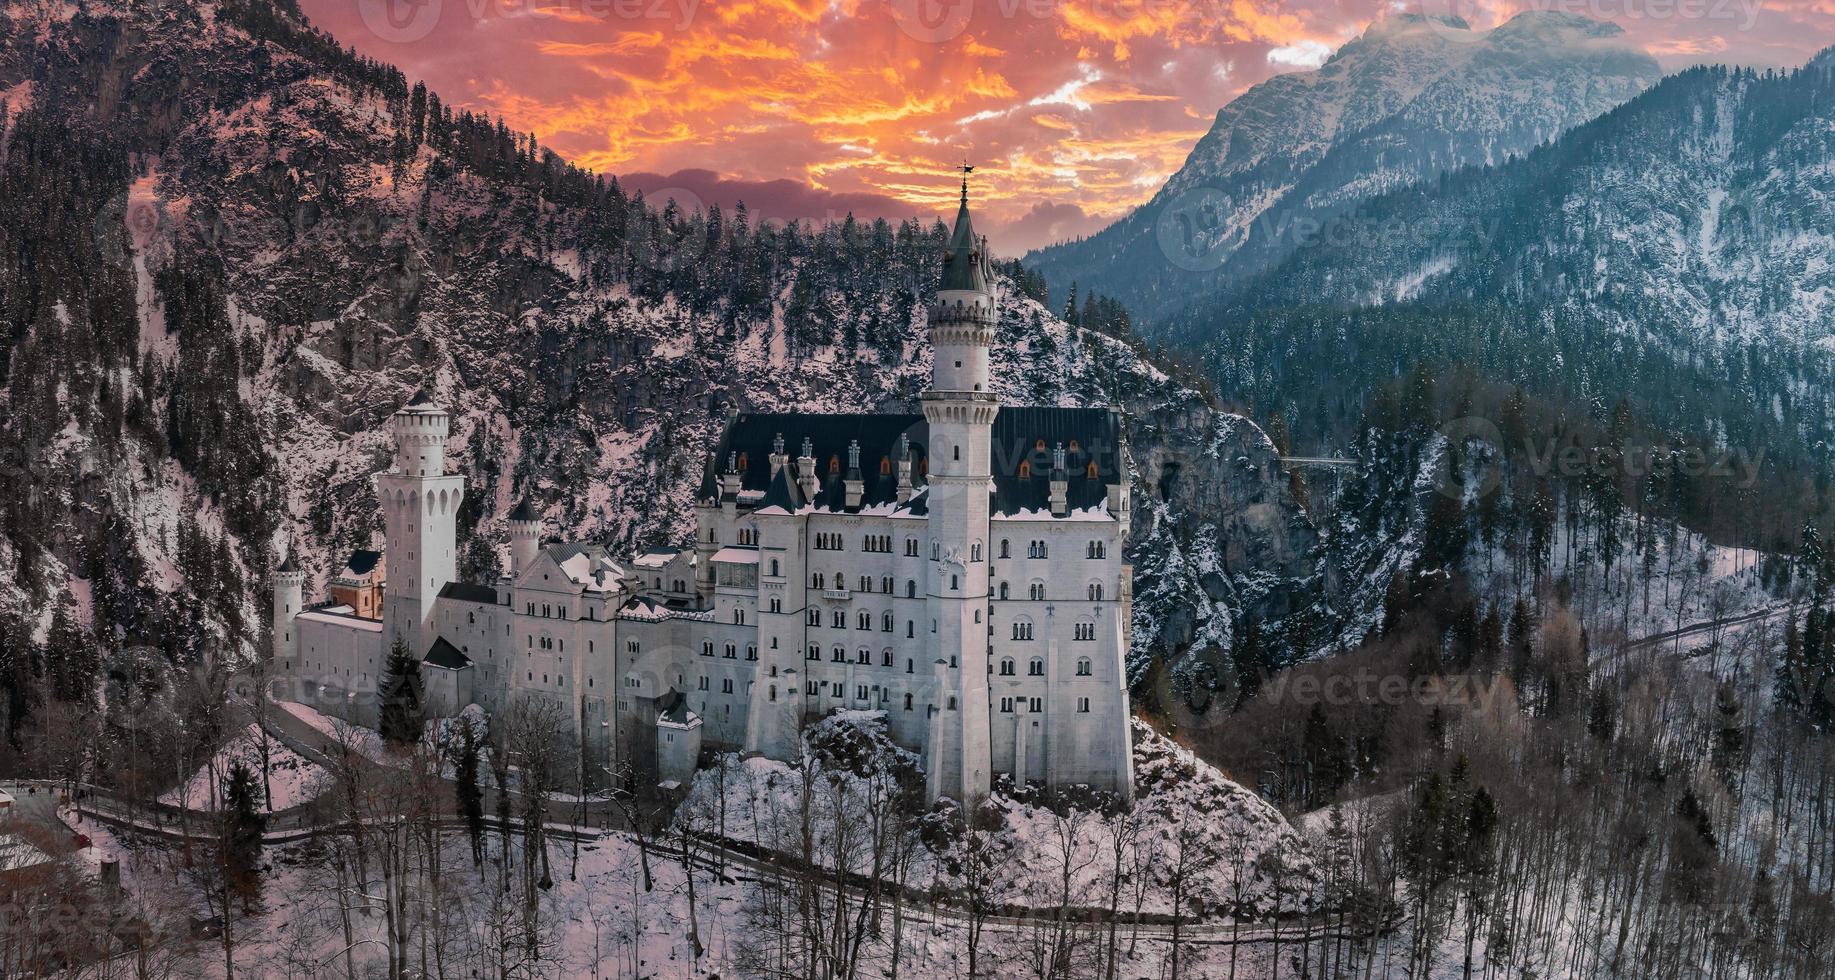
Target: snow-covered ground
292, 779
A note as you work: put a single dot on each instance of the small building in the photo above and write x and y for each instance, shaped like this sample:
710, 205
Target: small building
447, 672
678, 739
360, 584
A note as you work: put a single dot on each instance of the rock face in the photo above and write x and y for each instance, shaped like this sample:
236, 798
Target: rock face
1412, 97
299, 240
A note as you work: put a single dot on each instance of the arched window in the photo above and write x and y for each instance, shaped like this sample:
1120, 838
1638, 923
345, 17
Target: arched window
1003, 590
911, 588
885, 622
1006, 666
953, 583
1005, 552
864, 620
1036, 590
863, 656
774, 571
885, 658
974, 551
1036, 667
1096, 591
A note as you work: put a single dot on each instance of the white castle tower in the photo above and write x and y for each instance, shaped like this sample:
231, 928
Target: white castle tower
525, 537
289, 599
419, 506
960, 411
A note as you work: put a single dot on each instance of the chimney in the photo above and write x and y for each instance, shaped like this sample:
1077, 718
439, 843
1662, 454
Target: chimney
856, 486
904, 468
806, 470
1060, 483
778, 459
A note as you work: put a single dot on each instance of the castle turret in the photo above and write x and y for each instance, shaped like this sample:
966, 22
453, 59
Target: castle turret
289, 600
1060, 483
420, 506
525, 537
960, 412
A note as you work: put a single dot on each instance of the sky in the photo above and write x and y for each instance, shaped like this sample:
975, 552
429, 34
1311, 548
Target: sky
1072, 111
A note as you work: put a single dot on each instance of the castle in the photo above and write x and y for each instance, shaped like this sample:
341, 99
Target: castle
958, 570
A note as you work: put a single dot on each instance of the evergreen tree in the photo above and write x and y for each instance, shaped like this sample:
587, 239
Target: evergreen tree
466, 788
403, 697
243, 824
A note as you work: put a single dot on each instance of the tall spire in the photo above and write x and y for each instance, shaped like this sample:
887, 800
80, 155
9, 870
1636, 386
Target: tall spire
963, 266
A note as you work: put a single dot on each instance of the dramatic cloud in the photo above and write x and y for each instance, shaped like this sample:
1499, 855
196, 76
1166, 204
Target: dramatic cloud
1072, 110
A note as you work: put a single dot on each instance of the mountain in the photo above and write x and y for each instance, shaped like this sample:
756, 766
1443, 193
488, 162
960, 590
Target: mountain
229, 249
1412, 97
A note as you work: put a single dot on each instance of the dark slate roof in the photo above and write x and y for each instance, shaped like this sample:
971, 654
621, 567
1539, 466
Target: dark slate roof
673, 707
289, 565
525, 511
422, 398
443, 654
1030, 435
362, 562
1087, 434
962, 260
748, 438
467, 592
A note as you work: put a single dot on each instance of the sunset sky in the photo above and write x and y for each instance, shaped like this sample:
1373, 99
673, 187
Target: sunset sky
1074, 110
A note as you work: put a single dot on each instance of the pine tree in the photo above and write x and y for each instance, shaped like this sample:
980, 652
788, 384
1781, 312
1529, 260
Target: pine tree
403, 697
244, 823
465, 787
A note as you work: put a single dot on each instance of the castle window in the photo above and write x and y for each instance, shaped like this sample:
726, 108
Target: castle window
834, 465
1003, 590
814, 617
1022, 630
1084, 631
952, 702
1083, 706
957, 450
911, 588
885, 466
911, 547
1006, 666
885, 623
840, 620
1025, 469
864, 620
774, 570
954, 583
838, 656
738, 616
777, 605
1036, 590
703, 683
772, 695
1090, 471
1036, 667
885, 658
1096, 591
1098, 549
885, 584
910, 629
866, 583
731, 653
907, 702
1006, 704
726, 685
863, 656
836, 690
1083, 666
1036, 706
815, 653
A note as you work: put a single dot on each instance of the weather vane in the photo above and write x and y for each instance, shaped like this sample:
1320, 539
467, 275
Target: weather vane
966, 169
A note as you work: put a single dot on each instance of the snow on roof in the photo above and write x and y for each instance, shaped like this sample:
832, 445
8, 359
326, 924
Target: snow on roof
656, 557
18, 854
343, 616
